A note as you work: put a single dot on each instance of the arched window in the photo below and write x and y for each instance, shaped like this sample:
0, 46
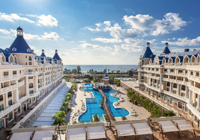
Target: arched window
165, 97
11, 59
193, 59
174, 85
163, 61
170, 60
171, 101
180, 105
198, 58
186, 60
4, 58
30, 58
31, 85
159, 95
177, 60
150, 61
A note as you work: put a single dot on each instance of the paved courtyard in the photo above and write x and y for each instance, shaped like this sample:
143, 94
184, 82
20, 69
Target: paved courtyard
79, 98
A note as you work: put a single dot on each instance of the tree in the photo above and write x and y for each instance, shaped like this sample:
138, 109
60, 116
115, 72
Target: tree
118, 71
108, 70
112, 71
104, 71
59, 118
65, 71
111, 79
78, 69
130, 73
74, 71
91, 71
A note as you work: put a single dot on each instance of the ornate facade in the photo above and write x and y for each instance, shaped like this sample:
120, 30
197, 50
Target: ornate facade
173, 80
25, 78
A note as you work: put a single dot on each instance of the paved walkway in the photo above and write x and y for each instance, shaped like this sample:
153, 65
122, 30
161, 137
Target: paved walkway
79, 99
44, 117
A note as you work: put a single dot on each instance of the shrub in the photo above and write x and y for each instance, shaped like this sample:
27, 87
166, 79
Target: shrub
96, 119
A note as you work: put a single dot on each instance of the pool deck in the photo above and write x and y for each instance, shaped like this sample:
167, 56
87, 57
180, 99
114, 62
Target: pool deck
80, 96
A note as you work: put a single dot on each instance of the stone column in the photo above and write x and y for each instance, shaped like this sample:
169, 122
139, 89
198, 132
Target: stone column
36, 83
198, 102
190, 96
17, 92
178, 89
44, 80
27, 86
6, 97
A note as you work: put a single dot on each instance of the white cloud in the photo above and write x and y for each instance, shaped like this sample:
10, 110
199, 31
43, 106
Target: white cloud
93, 30
126, 48
170, 22
47, 20
4, 31
98, 24
108, 40
185, 42
95, 47
51, 36
107, 23
12, 17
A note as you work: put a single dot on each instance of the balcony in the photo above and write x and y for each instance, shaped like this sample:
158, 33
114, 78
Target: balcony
34, 94
6, 77
30, 81
20, 83
40, 77
23, 98
31, 73
8, 109
15, 75
176, 96
194, 110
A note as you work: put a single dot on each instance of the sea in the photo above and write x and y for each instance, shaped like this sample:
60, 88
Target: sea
86, 68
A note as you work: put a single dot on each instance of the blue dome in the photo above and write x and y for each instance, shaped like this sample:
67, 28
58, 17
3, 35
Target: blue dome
43, 53
19, 28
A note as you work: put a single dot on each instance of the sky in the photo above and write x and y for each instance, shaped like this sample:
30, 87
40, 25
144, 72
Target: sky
98, 32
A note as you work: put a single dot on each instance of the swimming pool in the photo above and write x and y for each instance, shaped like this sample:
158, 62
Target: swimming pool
124, 79
88, 85
93, 107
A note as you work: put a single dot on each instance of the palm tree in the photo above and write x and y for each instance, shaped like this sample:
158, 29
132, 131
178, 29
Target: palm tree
78, 69
59, 118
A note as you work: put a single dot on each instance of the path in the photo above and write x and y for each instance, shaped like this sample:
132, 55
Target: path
44, 117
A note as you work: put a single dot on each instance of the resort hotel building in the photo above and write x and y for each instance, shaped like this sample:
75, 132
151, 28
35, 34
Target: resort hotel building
26, 80
172, 80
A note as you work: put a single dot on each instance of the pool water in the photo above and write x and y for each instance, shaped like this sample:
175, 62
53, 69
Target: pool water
94, 107
124, 79
88, 85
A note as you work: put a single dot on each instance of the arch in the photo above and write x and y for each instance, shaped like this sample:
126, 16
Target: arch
3, 58
186, 59
180, 105
31, 85
170, 60
150, 61
30, 58
163, 61
193, 59
15, 59
171, 101
11, 58
165, 98
198, 58
177, 60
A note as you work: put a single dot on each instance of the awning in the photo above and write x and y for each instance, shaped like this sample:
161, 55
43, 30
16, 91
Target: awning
183, 125
125, 130
142, 128
168, 126
21, 136
43, 135
76, 134
97, 132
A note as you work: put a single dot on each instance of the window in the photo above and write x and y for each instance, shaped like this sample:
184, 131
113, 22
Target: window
186, 108
1, 98
180, 106
168, 84
174, 91
165, 97
171, 101
183, 94
1, 123
183, 87
10, 116
10, 102
9, 94
18, 110
1, 107
175, 86
159, 95
29, 101
25, 56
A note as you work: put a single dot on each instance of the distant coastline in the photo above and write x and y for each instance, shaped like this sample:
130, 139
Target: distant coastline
85, 68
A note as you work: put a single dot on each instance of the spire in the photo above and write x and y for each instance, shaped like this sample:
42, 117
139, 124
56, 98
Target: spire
147, 53
56, 56
166, 49
43, 54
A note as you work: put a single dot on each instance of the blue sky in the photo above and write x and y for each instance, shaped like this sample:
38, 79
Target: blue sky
101, 31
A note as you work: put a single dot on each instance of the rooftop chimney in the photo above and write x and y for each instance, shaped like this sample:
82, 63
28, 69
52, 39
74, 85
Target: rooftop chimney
186, 50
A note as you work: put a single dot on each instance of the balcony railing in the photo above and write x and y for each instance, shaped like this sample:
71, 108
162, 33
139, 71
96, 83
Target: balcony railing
9, 109
31, 73
6, 77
